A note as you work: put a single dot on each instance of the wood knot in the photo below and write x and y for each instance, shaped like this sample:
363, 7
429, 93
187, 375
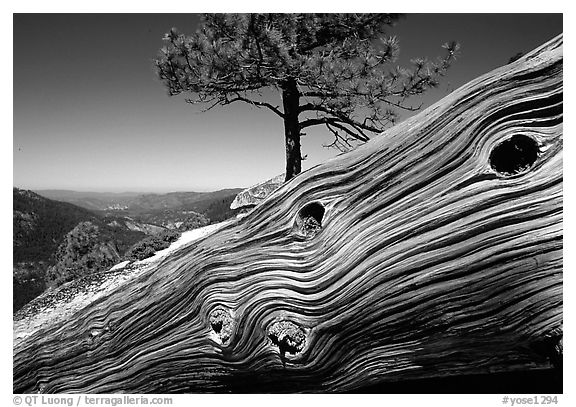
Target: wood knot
309, 219
222, 324
110, 326
514, 155
288, 336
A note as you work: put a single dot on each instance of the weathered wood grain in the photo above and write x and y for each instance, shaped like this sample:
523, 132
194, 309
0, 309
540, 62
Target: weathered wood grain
410, 257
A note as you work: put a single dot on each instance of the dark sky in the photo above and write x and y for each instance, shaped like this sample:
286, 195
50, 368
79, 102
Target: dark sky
89, 113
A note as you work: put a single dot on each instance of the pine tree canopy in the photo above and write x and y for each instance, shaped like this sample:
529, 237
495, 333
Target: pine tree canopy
335, 70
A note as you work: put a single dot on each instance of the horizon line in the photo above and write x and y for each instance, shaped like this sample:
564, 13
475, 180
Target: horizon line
126, 191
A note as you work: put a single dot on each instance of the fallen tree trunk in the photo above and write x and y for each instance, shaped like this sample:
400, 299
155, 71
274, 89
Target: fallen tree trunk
433, 250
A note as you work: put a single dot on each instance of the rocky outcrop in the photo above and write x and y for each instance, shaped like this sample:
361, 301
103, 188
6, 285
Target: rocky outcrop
142, 227
252, 196
85, 250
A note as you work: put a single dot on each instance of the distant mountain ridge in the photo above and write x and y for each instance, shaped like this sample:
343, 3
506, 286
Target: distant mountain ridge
134, 201
88, 200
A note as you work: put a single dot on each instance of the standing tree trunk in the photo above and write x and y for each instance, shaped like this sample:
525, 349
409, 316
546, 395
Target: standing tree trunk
433, 250
291, 103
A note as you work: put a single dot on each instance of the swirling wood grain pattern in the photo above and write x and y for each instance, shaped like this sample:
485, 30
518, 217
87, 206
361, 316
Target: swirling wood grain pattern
420, 259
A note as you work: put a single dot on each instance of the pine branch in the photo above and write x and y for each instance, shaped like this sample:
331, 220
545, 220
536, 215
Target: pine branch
342, 143
340, 124
339, 116
256, 103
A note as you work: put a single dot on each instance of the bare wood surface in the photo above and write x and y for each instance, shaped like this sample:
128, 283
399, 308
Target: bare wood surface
424, 253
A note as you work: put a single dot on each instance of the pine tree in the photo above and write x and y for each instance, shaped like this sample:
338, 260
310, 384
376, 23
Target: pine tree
330, 69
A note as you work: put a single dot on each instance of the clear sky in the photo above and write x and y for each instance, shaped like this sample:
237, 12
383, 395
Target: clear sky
90, 114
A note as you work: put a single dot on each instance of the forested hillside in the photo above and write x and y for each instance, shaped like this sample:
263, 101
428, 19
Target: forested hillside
40, 226
57, 241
